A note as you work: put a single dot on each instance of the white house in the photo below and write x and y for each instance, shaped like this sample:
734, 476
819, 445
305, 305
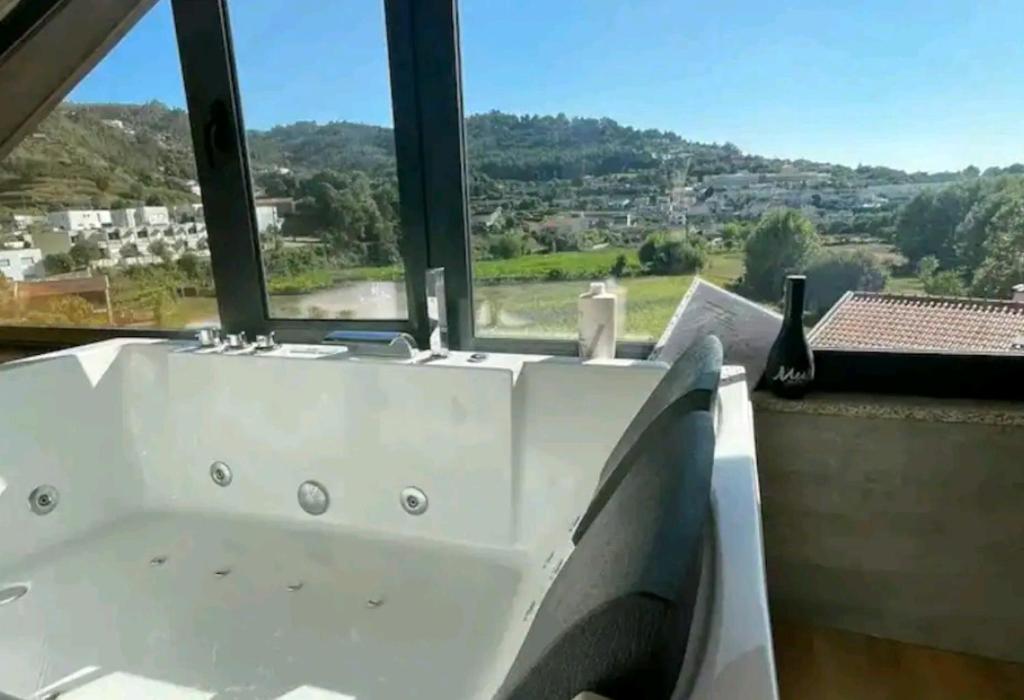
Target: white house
266, 216
23, 221
124, 218
188, 212
152, 216
21, 264
140, 216
77, 219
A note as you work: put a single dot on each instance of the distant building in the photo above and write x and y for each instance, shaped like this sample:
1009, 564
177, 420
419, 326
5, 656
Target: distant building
23, 221
124, 218
21, 264
266, 217
140, 216
187, 212
52, 242
285, 205
77, 219
95, 290
152, 216
488, 220
732, 180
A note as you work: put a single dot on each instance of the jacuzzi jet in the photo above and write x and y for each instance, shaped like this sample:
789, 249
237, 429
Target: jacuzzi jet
313, 497
158, 561
414, 501
220, 473
12, 593
43, 499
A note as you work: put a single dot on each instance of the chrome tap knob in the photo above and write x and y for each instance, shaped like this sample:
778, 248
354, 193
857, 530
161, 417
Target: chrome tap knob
208, 337
266, 342
236, 341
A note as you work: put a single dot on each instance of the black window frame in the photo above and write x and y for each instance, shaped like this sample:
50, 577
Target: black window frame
431, 157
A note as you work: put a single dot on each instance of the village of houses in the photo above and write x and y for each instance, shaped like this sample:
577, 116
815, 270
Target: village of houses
124, 235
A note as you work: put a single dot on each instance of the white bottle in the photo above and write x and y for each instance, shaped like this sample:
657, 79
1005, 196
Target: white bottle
597, 323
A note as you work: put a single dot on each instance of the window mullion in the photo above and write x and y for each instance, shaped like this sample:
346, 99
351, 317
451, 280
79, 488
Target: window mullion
409, 161
218, 134
438, 86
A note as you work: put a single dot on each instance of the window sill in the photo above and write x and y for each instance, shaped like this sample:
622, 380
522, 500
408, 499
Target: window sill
913, 408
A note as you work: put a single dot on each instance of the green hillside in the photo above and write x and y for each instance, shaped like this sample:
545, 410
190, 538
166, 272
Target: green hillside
103, 155
76, 158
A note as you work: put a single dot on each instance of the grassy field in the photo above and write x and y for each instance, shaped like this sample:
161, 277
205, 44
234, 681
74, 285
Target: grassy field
549, 308
537, 294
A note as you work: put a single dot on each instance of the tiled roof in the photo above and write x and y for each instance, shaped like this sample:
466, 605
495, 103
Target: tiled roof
894, 322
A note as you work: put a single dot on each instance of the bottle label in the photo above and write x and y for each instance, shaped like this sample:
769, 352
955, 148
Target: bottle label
788, 375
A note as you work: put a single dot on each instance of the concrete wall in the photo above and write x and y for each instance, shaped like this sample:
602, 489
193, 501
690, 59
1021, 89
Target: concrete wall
897, 518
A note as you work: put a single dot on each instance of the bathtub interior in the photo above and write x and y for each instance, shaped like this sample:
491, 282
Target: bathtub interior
150, 578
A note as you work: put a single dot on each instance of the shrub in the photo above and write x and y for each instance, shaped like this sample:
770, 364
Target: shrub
58, 263
507, 245
784, 242
831, 275
671, 254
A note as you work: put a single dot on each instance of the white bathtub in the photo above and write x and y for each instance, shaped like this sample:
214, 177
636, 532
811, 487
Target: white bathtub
148, 579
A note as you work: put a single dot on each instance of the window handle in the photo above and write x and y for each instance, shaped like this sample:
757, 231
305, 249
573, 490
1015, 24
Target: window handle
217, 132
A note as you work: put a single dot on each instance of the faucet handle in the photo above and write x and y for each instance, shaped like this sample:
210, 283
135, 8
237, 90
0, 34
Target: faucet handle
208, 337
236, 341
265, 343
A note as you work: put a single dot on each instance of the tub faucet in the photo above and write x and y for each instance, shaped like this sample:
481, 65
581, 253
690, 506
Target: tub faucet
209, 337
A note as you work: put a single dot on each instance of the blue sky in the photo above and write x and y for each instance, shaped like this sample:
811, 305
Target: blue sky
915, 84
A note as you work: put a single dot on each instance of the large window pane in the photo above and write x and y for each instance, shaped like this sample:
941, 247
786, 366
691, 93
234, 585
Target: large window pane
100, 216
317, 103
647, 142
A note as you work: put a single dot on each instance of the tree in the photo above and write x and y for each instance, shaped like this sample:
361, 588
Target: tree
672, 254
130, 250
507, 245
927, 224
154, 200
188, 263
161, 250
618, 268
734, 234
927, 267
1003, 265
986, 215
784, 242
830, 275
946, 283
85, 252
58, 263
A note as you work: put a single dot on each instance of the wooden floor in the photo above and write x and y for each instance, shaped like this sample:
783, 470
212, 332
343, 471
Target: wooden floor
814, 663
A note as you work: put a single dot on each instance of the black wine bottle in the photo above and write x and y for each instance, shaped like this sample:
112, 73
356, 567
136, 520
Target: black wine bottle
790, 368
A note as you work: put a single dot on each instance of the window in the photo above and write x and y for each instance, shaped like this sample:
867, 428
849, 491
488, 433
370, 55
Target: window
316, 95
649, 142
117, 152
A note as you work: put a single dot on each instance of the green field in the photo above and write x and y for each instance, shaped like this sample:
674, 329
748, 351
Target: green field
515, 297
549, 308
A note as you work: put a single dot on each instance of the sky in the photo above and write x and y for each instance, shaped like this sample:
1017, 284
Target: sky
913, 84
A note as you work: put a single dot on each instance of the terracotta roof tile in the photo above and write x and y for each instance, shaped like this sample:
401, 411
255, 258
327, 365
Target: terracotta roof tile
874, 321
